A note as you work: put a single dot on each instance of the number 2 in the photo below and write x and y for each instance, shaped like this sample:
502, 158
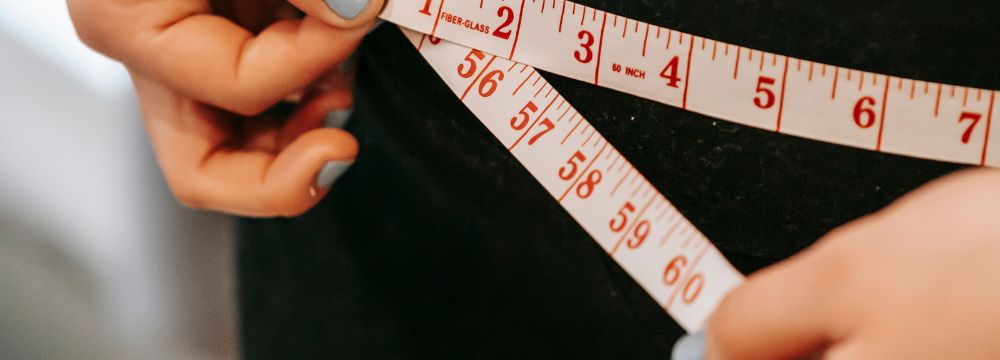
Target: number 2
500, 31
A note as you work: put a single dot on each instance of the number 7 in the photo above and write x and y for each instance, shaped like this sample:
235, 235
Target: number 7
548, 127
974, 117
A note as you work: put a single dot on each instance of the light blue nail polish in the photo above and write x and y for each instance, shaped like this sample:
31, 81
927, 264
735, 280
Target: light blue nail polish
347, 9
690, 347
338, 118
331, 171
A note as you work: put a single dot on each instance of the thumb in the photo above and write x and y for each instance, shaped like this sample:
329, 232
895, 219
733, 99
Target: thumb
777, 314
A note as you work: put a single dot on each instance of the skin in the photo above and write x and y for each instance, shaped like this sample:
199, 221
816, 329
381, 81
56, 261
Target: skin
206, 73
914, 281
910, 282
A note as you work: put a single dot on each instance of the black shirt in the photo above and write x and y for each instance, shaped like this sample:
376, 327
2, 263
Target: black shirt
423, 250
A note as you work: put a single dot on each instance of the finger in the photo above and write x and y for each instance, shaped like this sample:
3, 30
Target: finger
255, 183
852, 350
341, 13
205, 169
313, 114
777, 314
211, 59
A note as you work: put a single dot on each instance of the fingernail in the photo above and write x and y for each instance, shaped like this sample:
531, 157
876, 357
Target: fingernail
338, 118
331, 171
347, 9
690, 347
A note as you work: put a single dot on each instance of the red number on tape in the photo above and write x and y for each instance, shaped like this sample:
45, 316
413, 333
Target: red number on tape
489, 83
621, 220
547, 126
567, 173
588, 42
506, 13
519, 121
768, 95
670, 72
639, 235
586, 188
470, 70
974, 117
864, 112
427, 8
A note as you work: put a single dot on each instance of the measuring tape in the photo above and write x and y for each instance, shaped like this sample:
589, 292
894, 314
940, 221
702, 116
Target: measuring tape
742, 85
486, 52
606, 195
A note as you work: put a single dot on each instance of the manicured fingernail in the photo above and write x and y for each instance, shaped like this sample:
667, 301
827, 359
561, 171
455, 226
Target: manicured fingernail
331, 172
347, 9
338, 118
690, 347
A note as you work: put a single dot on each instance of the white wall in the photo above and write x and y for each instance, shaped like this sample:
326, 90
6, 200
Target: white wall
77, 177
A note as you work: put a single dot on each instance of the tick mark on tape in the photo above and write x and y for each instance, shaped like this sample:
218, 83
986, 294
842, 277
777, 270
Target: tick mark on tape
687, 75
881, 123
573, 129
989, 123
620, 182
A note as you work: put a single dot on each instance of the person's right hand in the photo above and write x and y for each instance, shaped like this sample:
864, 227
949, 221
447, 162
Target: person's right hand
206, 73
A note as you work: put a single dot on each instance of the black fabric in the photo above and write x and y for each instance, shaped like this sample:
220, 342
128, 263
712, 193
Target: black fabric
438, 245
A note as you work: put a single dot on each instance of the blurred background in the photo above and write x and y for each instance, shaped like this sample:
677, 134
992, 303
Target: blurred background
97, 261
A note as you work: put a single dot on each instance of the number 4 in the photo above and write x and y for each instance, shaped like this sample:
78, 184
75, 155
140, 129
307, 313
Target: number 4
670, 72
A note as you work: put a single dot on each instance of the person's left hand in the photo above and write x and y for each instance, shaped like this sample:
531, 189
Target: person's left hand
918, 280
212, 78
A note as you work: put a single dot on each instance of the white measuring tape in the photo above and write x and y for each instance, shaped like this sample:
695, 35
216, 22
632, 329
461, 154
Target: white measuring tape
746, 86
607, 196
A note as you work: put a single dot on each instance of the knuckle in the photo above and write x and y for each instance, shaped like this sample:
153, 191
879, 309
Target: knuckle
82, 12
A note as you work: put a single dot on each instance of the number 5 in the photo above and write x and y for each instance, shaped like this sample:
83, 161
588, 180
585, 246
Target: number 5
618, 223
519, 121
468, 71
768, 96
568, 173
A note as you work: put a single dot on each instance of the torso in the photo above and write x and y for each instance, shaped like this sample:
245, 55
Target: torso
437, 244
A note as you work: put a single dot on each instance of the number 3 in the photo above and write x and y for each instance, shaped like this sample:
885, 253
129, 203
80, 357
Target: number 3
586, 46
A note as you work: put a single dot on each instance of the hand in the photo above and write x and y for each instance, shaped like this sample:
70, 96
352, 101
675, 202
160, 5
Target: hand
206, 71
918, 280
